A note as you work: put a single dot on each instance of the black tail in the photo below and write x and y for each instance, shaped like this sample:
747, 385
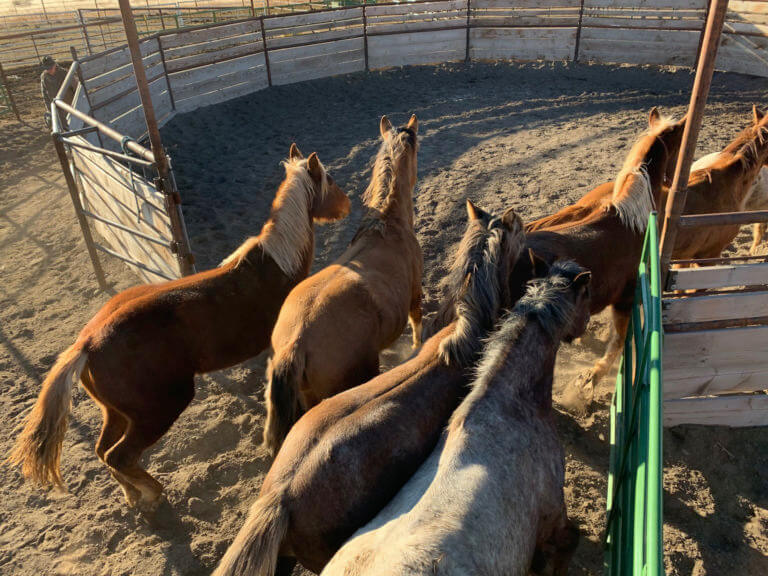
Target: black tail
283, 407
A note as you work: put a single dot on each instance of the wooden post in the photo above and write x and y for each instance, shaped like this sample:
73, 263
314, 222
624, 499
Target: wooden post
679, 190
75, 195
172, 197
4, 80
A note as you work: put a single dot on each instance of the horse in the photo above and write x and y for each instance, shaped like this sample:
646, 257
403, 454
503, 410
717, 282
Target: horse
732, 180
137, 357
333, 325
349, 455
489, 499
604, 231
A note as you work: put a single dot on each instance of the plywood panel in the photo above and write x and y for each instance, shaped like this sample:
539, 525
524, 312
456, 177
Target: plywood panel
416, 48
719, 276
734, 411
714, 307
522, 43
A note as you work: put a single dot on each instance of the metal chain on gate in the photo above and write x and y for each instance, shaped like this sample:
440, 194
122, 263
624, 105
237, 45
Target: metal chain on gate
124, 145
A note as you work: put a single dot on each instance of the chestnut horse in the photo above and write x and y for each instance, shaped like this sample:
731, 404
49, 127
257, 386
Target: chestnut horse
604, 231
727, 181
334, 324
489, 499
349, 455
138, 355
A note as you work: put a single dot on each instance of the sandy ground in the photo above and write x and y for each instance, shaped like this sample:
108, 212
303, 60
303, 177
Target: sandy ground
535, 137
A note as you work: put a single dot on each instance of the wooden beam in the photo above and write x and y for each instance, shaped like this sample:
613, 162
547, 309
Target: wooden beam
715, 307
718, 276
724, 219
734, 411
679, 190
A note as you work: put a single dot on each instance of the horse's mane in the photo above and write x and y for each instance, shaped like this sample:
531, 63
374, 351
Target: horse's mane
287, 235
744, 146
476, 289
546, 301
632, 192
379, 194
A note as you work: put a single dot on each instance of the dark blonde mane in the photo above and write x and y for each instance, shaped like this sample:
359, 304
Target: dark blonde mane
745, 145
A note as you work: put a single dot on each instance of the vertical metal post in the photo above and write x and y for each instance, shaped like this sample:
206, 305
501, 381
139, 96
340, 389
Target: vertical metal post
365, 35
75, 195
266, 53
578, 33
84, 29
165, 71
84, 88
253, 10
469, 13
266, 4
172, 197
679, 190
4, 80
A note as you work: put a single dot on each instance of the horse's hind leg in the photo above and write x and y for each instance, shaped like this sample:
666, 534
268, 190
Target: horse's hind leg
615, 346
565, 539
758, 232
140, 434
414, 317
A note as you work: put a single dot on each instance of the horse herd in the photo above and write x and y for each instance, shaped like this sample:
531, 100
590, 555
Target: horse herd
447, 464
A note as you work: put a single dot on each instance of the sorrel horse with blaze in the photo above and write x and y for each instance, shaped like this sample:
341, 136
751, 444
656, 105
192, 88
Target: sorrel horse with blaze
349, 455
334, 324
604, 230
137, 357
727, 182
489, 499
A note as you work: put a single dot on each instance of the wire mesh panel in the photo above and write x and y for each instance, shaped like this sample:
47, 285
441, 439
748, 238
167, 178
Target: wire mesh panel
634, 504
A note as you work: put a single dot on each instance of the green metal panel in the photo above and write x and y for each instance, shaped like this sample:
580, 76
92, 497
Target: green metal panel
633, 536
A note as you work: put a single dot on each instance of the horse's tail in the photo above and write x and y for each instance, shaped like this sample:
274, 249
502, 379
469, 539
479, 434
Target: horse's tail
256, 547
283, 407
38, 448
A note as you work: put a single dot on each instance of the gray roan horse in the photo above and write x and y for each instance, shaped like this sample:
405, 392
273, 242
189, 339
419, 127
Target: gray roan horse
349, 455
489, 499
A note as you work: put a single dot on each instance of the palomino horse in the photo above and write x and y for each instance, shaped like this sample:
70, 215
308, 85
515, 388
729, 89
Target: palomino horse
349, 455
489, 499
604, 231
334, 324
727, 181
138, 355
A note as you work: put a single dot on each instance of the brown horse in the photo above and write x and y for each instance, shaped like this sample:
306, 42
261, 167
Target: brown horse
138, 355
347, 456
334, 324
726, 184
604, 231
489, 499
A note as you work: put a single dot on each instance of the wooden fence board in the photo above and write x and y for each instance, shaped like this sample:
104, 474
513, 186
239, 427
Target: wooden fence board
298, 53
660, 4
734, 411
639, 46
205, 58
539, 20
314, 37
746, 55
719, 276
127, 82
202, 73
220, 95
373, 11
131, 100
522, 43
507, 4
256, 73
211, 45
189, 37
416, 48
113, 60
311, 18
714, 307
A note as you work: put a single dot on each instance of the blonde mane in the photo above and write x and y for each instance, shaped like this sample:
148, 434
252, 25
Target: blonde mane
632, 196
287, 235
380, 193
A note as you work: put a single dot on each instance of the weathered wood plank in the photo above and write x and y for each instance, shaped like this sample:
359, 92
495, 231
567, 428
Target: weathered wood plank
253, 38
669, 23
714, 307
311, 18
315, 37
255, 74
522, 43
706, 383
117, 59
542, 20
206, 58
404, 27
130, 101
202, 73
415, 47
508, 5
189, 37
219, 95
151, 62
289, 54
128, 82
733, 411
661, 4
719, 276
373, 11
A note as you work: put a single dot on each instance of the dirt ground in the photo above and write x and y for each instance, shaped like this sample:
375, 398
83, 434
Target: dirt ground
535, 137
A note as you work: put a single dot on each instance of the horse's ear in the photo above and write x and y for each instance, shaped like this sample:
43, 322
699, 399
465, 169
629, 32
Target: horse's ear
653, 117
385, 127
477, 213
512, 221
294, 153
757, 114
314, 167
539, 267
413, 124
582, 278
